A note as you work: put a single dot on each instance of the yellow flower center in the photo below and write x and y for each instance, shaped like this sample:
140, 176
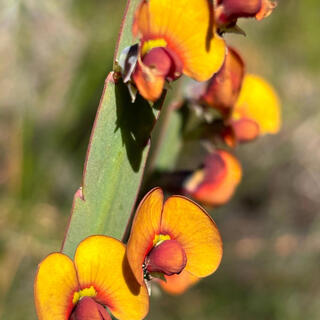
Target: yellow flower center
154, 43
159, 238
87, 292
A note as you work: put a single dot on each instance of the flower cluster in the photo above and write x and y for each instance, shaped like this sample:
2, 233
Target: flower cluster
248, 107
175, 239
186, 37
245, 105
248, 104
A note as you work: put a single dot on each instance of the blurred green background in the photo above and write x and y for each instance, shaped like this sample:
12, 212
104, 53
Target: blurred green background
54, 58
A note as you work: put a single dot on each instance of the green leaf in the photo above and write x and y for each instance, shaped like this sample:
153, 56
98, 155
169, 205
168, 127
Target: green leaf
125, 34
158, 275
168, 136
115, 161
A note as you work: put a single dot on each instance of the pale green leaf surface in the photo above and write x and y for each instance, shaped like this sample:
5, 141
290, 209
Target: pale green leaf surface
170, 143
115, 161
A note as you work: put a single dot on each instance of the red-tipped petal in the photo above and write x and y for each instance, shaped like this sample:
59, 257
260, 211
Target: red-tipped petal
259, 102
178, 283
159, 60
87, 309
245, 130
212, 191
149, 81
214, 171
224, 87
266, 9
233, 9
168, 258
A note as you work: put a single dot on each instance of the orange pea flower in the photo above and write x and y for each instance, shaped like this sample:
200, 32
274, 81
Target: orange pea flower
174, 238
78, 290
177, 36
257, 110
228, 11
249, 105
215, 183
223, 88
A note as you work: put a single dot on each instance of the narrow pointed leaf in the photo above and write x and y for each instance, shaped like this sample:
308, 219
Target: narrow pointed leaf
116, 158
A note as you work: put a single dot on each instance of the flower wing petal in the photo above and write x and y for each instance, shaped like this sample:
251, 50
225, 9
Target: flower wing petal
197, 233
188, 28
178, 283
54, 287
149, 83
101, 262
145, 226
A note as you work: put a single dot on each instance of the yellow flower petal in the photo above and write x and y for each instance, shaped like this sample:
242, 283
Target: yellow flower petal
197, 233
259, 102
187, 27
146, 225
54, 287
178, 283
101, 262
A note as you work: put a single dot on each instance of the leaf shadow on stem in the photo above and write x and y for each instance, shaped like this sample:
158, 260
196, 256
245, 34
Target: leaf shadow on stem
136, 121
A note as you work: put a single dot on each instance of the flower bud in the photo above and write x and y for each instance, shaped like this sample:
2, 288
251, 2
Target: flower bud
224, 87
158, 59
245, 129
164, 61
215, 183
168, 258
233, 9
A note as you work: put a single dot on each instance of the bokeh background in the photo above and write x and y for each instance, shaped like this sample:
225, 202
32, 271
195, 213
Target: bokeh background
54, 58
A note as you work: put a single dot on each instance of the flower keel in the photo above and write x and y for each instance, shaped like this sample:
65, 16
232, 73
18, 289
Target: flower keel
168, 258
87, 308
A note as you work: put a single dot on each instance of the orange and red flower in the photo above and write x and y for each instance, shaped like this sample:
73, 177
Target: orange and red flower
256, 112
248, 104
176, 238
176, 36
228, 11
223, 88
99, 276
215, 183
258, 102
